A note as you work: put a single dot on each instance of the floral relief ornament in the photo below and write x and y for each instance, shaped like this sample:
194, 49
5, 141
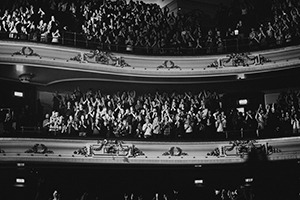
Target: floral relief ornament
168, 64
243, 147
175, 151
26, 51
39, 149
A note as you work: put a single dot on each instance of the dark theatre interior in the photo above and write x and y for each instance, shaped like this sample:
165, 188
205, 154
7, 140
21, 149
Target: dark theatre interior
149, 100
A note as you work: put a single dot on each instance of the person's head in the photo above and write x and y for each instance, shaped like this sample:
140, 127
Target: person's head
82, 117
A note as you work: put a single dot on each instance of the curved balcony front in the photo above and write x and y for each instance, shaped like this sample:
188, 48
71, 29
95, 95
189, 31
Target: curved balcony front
146, 152
54, 64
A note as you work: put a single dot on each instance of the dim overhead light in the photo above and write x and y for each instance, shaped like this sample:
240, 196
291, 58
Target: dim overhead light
199, 181
243, 102
241, 76
249, 180
20, 180
20, 164
20, 68
18, 94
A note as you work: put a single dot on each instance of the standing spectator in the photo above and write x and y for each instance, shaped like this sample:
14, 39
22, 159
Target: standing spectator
188, 126
220, 46
295, 122
129, 44
71, 126
250, 121
209, 43
220, 122
166, 125
7, 124
82, 126
57, 98
262, 38
147, 128
279, 37
253, 39
270, 35
260, 118
55, 35
96, 127
55, 123
156, 126
55, 196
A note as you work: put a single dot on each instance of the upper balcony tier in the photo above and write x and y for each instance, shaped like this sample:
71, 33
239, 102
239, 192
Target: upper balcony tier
46, 64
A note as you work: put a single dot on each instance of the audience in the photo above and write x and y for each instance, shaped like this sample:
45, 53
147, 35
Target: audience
140, 27
130, 115
169, 116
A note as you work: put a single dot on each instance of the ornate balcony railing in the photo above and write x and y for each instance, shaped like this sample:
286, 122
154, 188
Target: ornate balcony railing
231, 45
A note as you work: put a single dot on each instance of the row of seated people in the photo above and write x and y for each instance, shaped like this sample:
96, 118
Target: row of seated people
141, 27
163, 115
240, 192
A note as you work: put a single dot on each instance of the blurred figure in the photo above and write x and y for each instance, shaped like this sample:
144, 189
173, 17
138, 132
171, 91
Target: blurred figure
55, 196
46, 124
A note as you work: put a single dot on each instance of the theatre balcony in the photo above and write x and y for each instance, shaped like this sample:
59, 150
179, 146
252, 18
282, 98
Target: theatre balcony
46, 65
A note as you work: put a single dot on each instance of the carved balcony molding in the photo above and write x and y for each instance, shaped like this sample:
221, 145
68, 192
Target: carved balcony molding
146, 152
104, 66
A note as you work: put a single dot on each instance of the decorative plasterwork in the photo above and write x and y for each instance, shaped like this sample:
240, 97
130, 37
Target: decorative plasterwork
241, 148
109, 148
101, 57
175, 151
239, 59
168, 64
39, 149
26, 51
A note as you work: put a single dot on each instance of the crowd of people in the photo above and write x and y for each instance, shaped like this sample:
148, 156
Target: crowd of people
241, 192
24, 21
147, 28
130, 115
166, 116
